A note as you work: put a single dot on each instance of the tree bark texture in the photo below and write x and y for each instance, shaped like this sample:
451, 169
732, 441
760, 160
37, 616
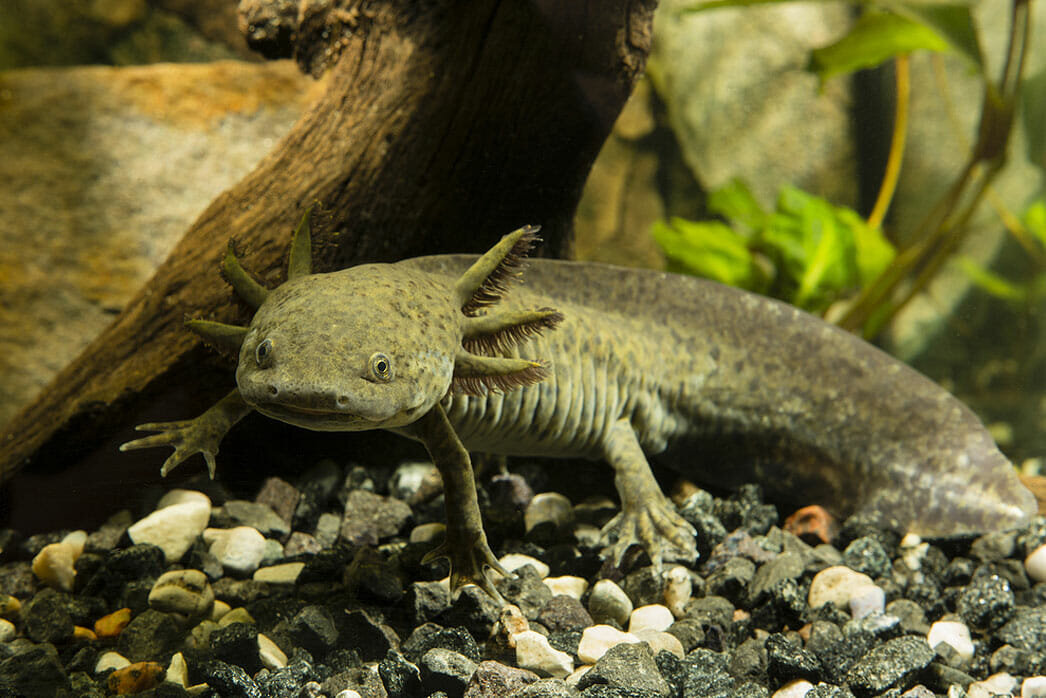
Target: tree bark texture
445, 125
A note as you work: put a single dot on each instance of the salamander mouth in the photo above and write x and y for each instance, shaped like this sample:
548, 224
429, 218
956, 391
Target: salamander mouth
318, 419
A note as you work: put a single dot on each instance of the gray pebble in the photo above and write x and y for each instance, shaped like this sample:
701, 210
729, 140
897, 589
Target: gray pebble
891, 665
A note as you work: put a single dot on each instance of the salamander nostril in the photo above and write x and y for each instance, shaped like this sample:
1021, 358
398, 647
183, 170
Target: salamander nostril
274, 391
342, 401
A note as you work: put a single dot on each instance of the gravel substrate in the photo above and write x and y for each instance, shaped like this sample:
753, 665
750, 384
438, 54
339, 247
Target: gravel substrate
317, 589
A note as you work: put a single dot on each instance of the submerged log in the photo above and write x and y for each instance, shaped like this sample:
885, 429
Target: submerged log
444, 126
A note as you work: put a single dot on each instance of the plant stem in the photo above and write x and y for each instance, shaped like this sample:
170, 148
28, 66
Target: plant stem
900, 133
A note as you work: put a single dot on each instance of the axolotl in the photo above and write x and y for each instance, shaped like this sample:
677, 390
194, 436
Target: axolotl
596, 361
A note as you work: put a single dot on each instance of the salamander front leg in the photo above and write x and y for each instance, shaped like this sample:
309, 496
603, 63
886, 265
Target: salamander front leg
646, 517
201, 435
465, 544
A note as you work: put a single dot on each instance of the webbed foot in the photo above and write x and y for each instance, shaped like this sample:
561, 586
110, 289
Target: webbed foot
191, 436
468, 559
662, 533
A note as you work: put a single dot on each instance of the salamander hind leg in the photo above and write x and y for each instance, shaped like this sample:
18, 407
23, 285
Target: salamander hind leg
647, 517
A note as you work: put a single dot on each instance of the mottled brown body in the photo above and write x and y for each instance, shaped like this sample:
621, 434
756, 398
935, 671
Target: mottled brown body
602, 362
727, 387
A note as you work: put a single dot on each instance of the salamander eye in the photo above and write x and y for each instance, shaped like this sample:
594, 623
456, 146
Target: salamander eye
263, 353
381, 367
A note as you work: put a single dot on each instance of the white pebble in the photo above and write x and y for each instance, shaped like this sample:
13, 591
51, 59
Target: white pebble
54, 565
7, 630
867, 600
240, 549
534, 653
285, 573
1034, 687
111, 660
219, 609
272, 657
995, 685
609, 602
177, 670
548, 507
678, 590
597, 639
514, 561
794, 689
181, 518
567, 586
1035, 564
954, 634
913, 550
427, 532
661, 641
577, 674
650, 617
77, 539
236, 615
348, 693
837, 585
182, 591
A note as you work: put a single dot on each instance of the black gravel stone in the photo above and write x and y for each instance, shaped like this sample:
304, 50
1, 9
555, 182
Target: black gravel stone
285, 681
446, 670
473, 609
314, 630
430, 635
894, 664
745, 509
84, 659
526, 590
710, 531
787, 565
150, 636
751, 689
787, 661
630, 666
838, 658
748, 661
425, 601
229, 681
1026, 629
707, 675
644, 586
136, 563
565, 641
825, 690
866, 555
237, 643
987, 603
925, 592
1018, 661
731, 581
83, 685
371, 577
402, 679
47, 617
563, 613
688, 631
784, 607
35, 671
672, 669
366, 636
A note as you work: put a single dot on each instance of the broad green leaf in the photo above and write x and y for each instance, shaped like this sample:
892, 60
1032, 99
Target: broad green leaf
951, 20
709, 249
874, 252
875, 38
735, 202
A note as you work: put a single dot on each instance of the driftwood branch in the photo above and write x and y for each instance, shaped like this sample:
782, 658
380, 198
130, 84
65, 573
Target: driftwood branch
444, 126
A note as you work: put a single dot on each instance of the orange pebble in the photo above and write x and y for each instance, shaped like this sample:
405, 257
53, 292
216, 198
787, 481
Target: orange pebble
135, 678
812, 521
112, 624
82, 633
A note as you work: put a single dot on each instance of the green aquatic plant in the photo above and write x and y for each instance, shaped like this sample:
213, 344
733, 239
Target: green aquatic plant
806, 251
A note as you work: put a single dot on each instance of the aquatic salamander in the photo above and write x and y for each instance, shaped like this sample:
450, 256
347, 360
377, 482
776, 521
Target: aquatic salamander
724, 386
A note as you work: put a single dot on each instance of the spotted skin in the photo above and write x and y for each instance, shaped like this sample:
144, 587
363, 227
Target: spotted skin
721, 385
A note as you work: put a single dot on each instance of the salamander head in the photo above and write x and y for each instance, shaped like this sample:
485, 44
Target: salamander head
378, 345
371, 347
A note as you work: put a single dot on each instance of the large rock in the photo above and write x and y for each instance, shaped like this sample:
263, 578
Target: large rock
103, 170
